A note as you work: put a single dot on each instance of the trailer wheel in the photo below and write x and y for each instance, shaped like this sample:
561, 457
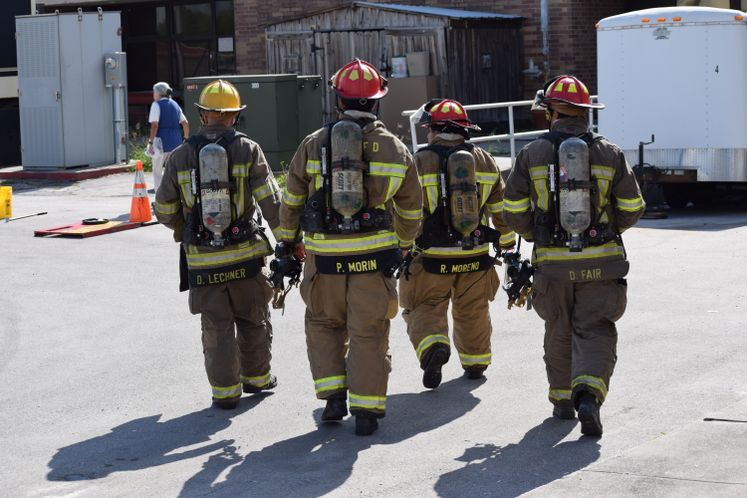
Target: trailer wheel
677, 195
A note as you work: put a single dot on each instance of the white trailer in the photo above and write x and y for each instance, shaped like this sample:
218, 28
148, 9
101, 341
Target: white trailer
680, 74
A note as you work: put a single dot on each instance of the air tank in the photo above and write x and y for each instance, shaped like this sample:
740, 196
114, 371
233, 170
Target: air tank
464, 205
573, 187
215, 194
348, 194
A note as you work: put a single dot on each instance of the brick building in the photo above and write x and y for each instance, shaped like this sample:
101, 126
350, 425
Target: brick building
173, 39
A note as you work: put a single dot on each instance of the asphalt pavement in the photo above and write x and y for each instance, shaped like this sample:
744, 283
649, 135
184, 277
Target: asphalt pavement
103, 391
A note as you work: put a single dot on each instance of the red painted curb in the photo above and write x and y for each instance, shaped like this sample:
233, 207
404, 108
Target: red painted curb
64, 175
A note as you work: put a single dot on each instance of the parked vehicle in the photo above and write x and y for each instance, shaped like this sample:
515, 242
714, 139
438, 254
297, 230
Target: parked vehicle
674, 81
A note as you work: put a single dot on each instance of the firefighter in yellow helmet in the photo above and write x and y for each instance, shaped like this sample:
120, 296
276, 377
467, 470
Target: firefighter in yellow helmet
573, 194
462, 189
211, 189
353, 198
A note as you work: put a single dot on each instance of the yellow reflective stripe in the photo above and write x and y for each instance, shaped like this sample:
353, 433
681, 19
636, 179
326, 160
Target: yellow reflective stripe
387, 169
237, 209
475, 359
495, 207
516, 206
603, 186
560, 394
429, 341
317, 243
630, 205
429, 180
507, 239
607, 250
486, 188
184, 179
408, 214
168, 207
591, 381
293, 200
313, 167
486, 177
258, 381
226, 392
266, 190
456, 251
393, 186
405, 244
432, 195
276, 232
330, 383
244, 251
241, 170
538, 172
604, 172
285, 233
367, 402
539, 175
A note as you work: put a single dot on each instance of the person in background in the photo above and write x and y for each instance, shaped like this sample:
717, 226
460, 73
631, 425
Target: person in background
166, 117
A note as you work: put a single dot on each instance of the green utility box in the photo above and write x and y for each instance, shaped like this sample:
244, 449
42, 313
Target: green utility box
281, 109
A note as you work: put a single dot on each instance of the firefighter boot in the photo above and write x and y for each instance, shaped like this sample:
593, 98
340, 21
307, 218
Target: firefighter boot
564, 411
365, 425
252, 389
436, 356
588, 414
475, 372
336, 408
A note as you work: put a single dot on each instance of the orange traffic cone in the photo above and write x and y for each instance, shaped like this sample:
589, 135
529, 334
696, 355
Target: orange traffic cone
140, 207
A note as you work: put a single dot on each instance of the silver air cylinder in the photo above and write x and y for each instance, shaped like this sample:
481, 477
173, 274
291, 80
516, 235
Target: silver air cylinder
348, 195
575, 198
215, 194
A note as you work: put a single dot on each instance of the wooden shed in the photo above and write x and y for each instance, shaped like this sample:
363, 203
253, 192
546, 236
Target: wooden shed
474, 57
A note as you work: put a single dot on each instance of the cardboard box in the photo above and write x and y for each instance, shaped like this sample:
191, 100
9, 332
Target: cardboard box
418, 63
406, 93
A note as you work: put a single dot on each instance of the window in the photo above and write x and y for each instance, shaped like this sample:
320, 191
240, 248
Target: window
193, 19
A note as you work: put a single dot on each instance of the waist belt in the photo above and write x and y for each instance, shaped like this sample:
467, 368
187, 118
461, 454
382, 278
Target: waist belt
382, 261
447, 266
222, 275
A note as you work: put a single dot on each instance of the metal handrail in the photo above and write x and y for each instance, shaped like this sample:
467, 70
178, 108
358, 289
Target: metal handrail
511, 135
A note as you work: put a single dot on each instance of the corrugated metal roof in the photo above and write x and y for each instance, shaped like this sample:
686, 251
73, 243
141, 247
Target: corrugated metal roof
437, 11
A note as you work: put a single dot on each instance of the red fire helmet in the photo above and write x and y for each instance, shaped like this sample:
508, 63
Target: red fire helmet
569, 90
359, 80
450, 112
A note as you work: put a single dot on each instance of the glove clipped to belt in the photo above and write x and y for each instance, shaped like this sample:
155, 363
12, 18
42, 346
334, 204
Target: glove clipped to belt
285, 265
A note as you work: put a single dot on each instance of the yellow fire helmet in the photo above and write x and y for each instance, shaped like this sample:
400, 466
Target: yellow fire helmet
220, 96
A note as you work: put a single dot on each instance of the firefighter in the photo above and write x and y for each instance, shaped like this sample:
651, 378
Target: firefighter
462, 188
209, 195
573, 194
354, 193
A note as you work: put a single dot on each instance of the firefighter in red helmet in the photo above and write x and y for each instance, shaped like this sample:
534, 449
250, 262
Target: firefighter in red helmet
462, 190
352, 206
572, 193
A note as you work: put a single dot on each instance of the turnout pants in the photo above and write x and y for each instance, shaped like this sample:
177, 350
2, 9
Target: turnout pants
236, 333
425, 298
580, 334
347, 335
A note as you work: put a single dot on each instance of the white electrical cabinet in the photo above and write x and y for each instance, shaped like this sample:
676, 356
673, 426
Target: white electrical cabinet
65, 106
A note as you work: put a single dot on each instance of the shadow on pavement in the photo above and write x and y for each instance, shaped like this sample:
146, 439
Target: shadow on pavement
145, 443
319, 462
515, 469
